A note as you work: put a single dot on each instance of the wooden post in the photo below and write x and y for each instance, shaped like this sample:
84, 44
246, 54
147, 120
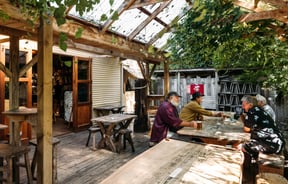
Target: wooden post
166, 78
44, 101
14, 68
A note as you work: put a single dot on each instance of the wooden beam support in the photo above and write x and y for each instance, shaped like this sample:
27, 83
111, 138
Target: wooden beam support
276, 3
7, 72
14, 68
141, 3
142, 69
92, 36
44, 102
166, 78
28, 65
272, 14
260, 13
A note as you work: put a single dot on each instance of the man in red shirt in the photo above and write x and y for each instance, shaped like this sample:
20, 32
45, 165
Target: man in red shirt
167, 117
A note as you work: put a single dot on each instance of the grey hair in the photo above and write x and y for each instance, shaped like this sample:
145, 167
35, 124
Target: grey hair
250, 99
261, 98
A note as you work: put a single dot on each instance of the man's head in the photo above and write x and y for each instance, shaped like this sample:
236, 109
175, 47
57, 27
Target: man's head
248, 102
174, 98
198, 97
261, 100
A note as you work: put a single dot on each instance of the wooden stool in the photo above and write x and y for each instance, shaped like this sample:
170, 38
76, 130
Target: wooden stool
270, 178
92, 130
126, 133
8, 153
54, 158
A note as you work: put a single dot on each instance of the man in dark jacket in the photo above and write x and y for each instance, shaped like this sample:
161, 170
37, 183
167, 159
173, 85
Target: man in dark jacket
167, 117
265, 136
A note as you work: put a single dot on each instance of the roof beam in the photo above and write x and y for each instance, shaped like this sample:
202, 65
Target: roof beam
148, 20
141, 3
277, 3
272, 14
92, 36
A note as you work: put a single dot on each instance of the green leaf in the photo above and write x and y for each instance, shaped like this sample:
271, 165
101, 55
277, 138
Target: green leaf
79, 33
103, 17
62, 41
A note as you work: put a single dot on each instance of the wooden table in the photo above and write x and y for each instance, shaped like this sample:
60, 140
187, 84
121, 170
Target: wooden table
177, 162
106, 109
108, 125
16, 119
217, 132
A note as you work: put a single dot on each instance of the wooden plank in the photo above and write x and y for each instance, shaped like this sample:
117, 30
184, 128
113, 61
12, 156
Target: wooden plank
181, 162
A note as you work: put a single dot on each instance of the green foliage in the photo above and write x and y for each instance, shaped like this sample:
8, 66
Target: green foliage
212, 36
3, 16
56, 8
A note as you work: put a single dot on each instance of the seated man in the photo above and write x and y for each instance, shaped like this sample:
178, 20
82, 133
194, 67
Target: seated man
262, 103
265, 136
193, 110
166, 118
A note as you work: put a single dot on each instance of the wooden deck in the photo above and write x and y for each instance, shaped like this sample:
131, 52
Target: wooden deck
79, 164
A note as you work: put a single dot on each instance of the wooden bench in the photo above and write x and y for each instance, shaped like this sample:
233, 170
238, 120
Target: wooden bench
271, 163
270, 178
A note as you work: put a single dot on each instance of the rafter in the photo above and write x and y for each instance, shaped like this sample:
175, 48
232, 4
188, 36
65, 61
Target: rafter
272, 14
148, 20
260, 14
276, 3
142, 3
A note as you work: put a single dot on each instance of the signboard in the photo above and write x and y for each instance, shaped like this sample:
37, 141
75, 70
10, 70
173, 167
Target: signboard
197, 88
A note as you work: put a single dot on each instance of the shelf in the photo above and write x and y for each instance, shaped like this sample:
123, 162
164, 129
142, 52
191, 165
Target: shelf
231, 93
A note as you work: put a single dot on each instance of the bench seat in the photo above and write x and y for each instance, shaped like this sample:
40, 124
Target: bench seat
271, 163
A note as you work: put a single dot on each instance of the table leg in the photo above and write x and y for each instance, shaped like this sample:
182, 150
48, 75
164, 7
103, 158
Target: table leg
108, 137
15, 139
103, 133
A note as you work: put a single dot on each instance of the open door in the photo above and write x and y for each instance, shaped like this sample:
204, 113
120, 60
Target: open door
81, 108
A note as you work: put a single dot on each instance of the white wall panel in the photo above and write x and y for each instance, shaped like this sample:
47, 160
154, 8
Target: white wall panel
106, 81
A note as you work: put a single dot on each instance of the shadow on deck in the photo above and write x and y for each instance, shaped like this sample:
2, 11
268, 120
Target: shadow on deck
79, 164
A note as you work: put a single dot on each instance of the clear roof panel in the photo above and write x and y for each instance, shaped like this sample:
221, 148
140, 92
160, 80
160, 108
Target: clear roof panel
148, 32
162, 41
103, 8
171, 11
130, 19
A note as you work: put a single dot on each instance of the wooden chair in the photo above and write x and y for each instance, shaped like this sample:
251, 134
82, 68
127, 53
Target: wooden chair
92, 131
9, 153
54, 158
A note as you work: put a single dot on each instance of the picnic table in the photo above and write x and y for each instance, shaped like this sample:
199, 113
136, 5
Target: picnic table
177, 161
16, 119
217, 131
106, 109
108, 128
